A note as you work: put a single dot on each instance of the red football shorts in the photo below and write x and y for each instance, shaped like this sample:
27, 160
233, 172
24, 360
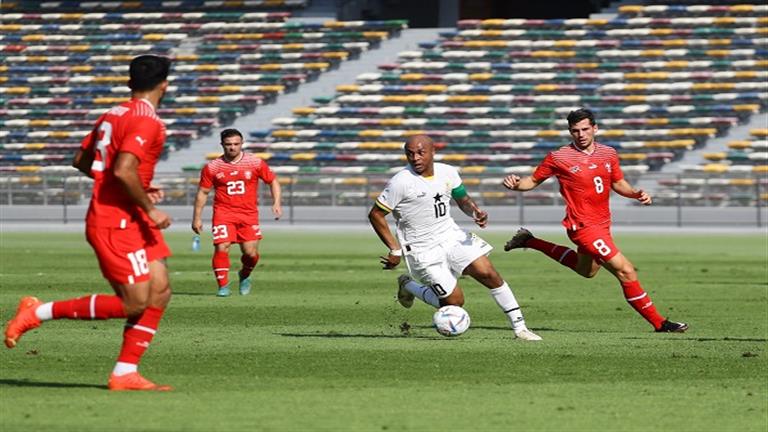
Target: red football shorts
124, 254
596, 241
235, 233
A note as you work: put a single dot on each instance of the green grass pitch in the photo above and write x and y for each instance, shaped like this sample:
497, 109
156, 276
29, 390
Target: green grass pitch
318, 345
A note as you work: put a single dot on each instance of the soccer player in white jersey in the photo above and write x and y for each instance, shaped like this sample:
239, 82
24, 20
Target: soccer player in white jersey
436, 250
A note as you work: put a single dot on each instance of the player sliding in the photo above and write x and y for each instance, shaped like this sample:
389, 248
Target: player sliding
437, 252
586, 170
122, 225
235, 176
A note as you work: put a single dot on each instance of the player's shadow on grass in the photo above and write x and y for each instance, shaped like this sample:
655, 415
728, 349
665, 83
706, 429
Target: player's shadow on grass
708, 339
336, 335
28, 383
205, 294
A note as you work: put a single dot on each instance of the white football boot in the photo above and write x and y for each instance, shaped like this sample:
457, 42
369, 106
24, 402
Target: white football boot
527, 335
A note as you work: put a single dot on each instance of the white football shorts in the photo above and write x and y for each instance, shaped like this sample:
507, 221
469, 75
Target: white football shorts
440, 265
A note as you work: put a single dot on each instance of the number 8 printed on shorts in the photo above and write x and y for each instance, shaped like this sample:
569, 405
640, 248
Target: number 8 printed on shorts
601, 247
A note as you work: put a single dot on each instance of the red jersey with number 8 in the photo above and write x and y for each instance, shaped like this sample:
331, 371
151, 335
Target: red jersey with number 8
131, 127
585, 182
236, 184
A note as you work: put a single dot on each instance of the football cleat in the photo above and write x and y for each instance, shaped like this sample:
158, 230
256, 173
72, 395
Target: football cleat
24, 321
245, 286
404, 297
672, 327
519, 240
134, 381
527, 335
223, 291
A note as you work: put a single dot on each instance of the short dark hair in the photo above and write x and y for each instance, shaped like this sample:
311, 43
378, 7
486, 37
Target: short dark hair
226, 133
580, 114
147, 71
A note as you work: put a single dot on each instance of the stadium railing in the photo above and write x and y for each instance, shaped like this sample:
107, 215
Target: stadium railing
745, 188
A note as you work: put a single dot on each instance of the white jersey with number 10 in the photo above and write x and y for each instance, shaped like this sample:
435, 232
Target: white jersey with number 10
421, 205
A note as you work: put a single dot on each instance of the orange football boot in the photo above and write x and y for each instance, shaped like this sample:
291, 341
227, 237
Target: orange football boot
134, 381
24, 321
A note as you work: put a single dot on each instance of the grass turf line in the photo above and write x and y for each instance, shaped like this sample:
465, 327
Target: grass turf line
318, 345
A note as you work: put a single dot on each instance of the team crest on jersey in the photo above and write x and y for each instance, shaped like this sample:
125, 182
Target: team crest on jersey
247, 175
608, 166
574, 169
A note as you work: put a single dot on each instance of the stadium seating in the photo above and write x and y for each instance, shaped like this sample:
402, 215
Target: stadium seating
494, 93
59, 71
737, 177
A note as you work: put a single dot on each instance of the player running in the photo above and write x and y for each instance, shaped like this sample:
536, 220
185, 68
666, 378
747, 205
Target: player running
436, 250
235, 176
122, 225
585, 170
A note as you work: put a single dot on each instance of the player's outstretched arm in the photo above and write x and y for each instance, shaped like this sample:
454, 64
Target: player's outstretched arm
126, 172
623, 188
517, 183
378, 220
470, 208
197, 212
277, 201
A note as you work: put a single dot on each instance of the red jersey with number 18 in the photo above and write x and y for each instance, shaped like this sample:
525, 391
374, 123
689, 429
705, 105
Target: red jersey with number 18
131, 127
236, 184
585, 182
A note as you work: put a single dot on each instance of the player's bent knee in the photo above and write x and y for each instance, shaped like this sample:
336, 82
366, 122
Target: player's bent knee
134, 308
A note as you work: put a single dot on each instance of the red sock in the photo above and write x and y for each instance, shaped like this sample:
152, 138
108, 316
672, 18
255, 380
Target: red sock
220, 264
561, 254
96, 306
249, 262
641, 302
138, 334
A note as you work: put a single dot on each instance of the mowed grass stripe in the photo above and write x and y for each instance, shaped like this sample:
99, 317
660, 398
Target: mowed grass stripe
319, 345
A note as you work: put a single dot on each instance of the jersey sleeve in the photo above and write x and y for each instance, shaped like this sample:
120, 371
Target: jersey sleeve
545, 170
454, 178
89, 140
141, 132
265, 173
616, 172
391, 196
206, 179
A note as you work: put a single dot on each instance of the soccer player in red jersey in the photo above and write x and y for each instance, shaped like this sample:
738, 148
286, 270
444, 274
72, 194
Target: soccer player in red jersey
586, 170
122, 225
235, 176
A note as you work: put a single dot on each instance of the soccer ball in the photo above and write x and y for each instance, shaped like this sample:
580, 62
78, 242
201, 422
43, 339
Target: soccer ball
451, 320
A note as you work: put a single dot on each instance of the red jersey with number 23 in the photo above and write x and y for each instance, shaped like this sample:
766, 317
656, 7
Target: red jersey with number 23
585, 182
131, 127
236, 184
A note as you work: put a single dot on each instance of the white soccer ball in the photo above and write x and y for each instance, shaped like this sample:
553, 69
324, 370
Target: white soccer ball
451, 320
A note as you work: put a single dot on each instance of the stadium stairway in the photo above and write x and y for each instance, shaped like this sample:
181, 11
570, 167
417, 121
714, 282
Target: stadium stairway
325, 85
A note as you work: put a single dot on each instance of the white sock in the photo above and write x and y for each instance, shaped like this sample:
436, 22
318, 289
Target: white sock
44, 312
506, 300
122, 368
423, 292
